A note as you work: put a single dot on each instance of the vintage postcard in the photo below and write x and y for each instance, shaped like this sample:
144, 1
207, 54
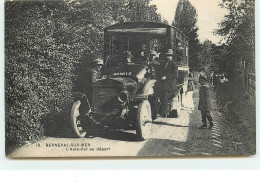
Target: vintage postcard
130, 78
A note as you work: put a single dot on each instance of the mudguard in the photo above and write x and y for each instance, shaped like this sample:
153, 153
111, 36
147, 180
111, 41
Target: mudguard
147, 89
79, 96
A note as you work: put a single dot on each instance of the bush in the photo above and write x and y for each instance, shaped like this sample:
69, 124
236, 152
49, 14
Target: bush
46, 45
38, 72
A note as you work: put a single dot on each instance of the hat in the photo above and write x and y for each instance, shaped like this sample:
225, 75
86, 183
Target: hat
128, 54
99, 61
169, 52
153, 52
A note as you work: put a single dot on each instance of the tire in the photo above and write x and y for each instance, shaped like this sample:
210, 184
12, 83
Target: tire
154, 105
179, 106
148, 89
175, 113
144, 119
76, 120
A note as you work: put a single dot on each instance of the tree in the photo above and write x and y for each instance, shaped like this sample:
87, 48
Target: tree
185, 19
134, 11
213, 56
205, 55
238, 28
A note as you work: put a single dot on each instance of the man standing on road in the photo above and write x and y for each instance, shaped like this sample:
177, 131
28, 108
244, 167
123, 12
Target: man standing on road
157, 72
171, 71
204, 101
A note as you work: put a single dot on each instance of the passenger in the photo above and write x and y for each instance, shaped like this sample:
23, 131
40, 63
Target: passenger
141, 59
204, 102
171, 71
128, 57
154, 65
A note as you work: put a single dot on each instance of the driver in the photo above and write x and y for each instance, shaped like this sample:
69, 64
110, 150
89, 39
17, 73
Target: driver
92, 75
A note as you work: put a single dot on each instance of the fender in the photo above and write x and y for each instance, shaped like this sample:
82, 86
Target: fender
79, 96
147, 89
82, 97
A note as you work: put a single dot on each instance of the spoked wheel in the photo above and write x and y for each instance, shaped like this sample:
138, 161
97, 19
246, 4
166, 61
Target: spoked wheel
179, 106
76, 120
144, 119
155, 104
176, 112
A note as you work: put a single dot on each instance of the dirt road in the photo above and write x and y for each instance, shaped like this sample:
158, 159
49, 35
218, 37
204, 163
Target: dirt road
169, 137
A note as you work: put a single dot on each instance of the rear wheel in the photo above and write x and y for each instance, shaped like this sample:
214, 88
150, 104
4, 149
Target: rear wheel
144, 119
176, 112
76, 120
179, 105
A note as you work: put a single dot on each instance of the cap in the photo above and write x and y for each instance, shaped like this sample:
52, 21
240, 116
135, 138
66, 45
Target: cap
169, 52
153, 52
99, 61
128, 54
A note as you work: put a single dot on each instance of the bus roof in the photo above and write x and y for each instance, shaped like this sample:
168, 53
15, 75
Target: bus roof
140, 27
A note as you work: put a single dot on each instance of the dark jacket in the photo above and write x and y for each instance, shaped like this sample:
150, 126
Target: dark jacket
91, 76
156, 68
171, 72
204, 101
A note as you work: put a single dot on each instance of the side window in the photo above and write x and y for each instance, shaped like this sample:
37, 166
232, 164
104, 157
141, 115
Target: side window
180, 53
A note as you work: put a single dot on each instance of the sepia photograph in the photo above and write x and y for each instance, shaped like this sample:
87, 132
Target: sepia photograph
129, 78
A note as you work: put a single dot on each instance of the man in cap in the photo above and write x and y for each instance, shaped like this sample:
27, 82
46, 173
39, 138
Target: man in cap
171, 74
128, 57
204, 101
141, 59
154, 65
92, 75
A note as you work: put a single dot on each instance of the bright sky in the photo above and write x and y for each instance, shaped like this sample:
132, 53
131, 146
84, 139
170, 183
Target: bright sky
209, 15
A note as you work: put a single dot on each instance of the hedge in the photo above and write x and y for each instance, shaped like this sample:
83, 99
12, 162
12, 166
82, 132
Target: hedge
46, 44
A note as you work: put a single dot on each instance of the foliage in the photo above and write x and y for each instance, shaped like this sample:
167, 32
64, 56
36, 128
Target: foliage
38, 68
46, 44
238, 29
185, 19
213, 56
205, 55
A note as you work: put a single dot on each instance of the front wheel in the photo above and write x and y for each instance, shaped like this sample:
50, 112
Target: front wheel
76, 120
144, 119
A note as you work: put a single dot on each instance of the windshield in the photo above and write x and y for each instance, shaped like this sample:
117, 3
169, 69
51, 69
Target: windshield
137, 43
